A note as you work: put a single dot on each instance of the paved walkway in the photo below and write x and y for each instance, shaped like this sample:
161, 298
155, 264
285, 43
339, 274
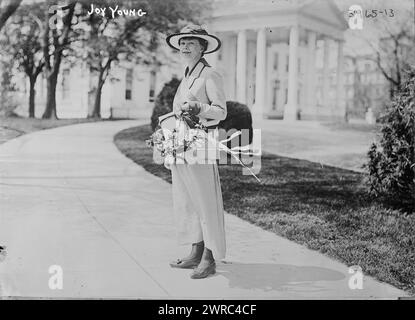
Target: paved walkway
70, 198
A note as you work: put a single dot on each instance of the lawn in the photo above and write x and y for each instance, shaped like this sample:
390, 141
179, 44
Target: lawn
324, 208
354, 127
12, 127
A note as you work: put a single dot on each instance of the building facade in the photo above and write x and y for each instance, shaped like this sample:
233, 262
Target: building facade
274, 52
283, 58
366, 89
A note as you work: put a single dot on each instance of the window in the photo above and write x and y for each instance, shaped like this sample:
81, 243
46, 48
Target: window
319, 96
286, 96
128, 84
364, 78
275, 89
65, 84
275, 61
152, 85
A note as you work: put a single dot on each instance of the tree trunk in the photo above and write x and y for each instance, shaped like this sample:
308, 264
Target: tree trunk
51, 83
392, 89
32, 95
53, 70
8, 9
96, 112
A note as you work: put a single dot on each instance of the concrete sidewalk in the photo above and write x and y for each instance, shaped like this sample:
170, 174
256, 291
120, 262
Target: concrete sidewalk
70, 198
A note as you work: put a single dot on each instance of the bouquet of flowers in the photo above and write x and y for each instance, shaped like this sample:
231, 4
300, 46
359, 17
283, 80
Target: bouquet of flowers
174, 138
172, 143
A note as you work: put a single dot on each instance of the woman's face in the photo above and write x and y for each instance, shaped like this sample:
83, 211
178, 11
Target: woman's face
190, 49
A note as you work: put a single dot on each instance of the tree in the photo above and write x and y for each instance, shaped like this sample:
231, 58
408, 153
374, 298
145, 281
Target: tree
23, 45
393, 42
7, 87
56, 38
394, 56
7, 9
109, 38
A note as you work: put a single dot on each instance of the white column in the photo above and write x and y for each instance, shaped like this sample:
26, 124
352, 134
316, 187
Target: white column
260, 74
229, 66
311, 73
282, 75
340, 103
212, 59
290, 110
241, 67
326, 73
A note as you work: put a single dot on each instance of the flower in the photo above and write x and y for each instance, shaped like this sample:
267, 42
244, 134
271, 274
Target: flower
169, 160
185, 137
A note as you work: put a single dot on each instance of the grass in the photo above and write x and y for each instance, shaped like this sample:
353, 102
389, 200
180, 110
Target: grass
323, 208
12, 127
355, 127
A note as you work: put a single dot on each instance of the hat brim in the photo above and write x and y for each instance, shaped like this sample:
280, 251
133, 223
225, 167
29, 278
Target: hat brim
213, 42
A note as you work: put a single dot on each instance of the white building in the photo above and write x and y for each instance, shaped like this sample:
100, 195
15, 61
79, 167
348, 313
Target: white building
129, 91
272, 52
365, 86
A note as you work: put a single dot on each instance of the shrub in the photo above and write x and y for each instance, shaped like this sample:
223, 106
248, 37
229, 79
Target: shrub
164, 101
391, 163
239, 117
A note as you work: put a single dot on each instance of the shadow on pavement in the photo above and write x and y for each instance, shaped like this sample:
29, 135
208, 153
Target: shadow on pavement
268, 276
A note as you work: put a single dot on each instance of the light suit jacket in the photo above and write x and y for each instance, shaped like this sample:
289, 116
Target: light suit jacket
205, 85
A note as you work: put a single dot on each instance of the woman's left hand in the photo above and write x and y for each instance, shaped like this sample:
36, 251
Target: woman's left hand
191, 107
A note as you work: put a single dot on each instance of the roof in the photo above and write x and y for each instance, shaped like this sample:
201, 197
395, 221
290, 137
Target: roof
321, 10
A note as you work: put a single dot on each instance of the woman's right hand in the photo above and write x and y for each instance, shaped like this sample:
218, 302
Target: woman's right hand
177, 111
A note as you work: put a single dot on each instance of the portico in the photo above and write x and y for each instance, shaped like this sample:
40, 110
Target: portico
271, 54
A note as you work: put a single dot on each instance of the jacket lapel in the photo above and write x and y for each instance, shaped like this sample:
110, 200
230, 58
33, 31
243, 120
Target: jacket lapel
196, 72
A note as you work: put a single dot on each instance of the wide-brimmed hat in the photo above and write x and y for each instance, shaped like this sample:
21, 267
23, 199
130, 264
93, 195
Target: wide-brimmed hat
213, 43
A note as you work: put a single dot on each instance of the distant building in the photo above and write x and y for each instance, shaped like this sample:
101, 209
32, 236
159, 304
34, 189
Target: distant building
284, 59
129, 91
365, 87
272, 52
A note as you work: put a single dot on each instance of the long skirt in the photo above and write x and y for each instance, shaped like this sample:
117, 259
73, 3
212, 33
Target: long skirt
198, 206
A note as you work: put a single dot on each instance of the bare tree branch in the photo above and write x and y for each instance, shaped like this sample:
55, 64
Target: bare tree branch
9, 9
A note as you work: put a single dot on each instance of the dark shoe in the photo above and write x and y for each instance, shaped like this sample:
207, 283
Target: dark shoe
203, 272
185, 264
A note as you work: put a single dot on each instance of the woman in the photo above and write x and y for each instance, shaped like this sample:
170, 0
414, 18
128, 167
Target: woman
197, 195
